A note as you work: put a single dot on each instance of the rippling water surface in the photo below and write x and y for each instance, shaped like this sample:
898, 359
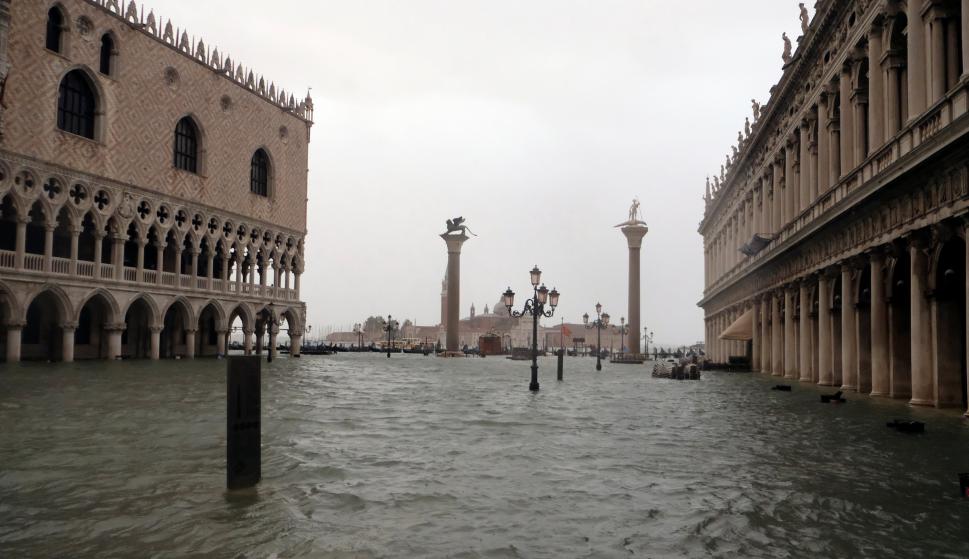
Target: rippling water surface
425, 457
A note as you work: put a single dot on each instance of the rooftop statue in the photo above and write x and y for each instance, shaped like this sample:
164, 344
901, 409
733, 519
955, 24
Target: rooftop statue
747, 127
805, 19
457, 225
756, 107
787, 49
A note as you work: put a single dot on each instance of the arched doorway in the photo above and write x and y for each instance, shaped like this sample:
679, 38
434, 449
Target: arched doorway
207, 340
863, 325
900, 325
949, 313
42, 337
136, 340
91, 337
239, 322
174, 341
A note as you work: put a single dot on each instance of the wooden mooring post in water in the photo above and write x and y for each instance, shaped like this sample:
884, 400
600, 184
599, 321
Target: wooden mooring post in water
243, 464
561, 369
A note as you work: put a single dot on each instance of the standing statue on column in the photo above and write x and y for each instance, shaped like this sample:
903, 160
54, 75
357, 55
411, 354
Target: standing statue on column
756, 107
747, 127
805, 19
787, 49
634, 213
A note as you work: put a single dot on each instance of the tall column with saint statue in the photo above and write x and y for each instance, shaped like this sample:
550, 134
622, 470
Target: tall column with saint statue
635, 230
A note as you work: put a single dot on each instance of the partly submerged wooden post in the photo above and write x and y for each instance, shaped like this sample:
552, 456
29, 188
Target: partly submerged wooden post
243, 465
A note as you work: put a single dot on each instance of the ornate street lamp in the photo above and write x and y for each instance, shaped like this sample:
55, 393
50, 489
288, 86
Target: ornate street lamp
358, 330
390, 328
536, 308
622, 330
600, 323
648, 336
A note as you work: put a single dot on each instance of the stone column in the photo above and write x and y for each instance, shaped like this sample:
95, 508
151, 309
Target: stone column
296, 276
880, 372
155, 343
190, 343
238, 266
67, 341
807, 349
790, 352
849, 333
778, 203
98, 253
765, 350
247, 341
756, 341
834, 152
634, 240
453, 336
225, 274
777, 338
117, 254
140, 263
210, 269
876, 89
260, 331
805, 167
824, 166
178, 265
295, 343
160, 261
220, 341
262, 278
917, 78
847, 122
114, 339
49, 246
14, 330
271, 349
825, 369
936, 17
21, 247
75, 236
923, 387
194, 267
790, 184
965, 37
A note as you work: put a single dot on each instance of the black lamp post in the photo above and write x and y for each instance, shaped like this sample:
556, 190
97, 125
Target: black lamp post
648, 337
536, 308
600, 323
622, 330
390, 328
358, 330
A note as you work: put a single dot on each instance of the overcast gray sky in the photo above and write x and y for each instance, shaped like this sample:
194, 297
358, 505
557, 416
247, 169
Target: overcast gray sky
537, 120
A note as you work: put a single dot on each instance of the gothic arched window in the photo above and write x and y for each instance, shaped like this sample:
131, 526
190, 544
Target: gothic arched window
55, 29
259, 173
186, 145
107, 54
77, 105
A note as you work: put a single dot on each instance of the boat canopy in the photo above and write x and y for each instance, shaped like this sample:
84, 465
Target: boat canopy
742, 329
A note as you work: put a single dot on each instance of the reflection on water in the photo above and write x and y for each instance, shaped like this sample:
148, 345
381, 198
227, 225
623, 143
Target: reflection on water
413, 456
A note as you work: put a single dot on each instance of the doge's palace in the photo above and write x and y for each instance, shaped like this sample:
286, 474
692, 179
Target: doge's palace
153, 189
835, 234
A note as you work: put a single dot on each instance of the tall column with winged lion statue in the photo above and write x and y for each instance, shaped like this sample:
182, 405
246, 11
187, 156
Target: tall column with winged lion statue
634, 229
455, 236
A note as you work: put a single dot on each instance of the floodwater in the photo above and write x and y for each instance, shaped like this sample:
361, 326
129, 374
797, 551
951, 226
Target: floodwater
425, 457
